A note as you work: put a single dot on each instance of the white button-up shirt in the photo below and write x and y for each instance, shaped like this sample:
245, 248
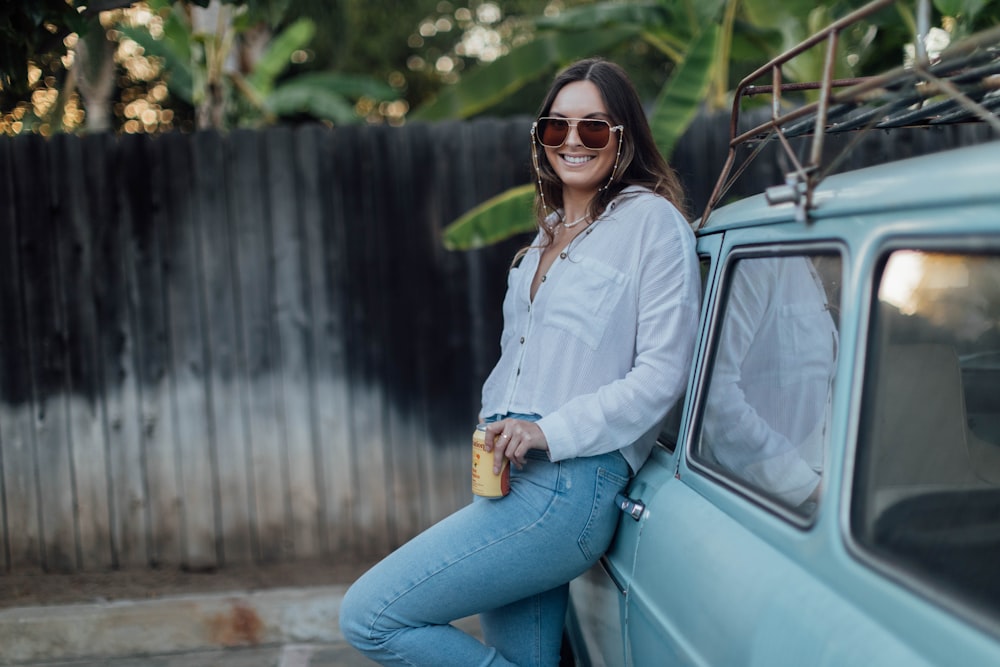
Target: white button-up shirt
605, 348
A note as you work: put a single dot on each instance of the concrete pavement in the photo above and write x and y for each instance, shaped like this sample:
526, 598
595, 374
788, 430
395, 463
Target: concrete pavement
292, 655
291, 627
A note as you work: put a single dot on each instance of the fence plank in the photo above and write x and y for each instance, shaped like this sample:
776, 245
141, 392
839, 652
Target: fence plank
455, 412
22, 537
365, 333
189, 363
117, 347
292, 319
86, 407
266, 467
45, 329
332, 298
144, 200
223, 377
312, 170
408, 305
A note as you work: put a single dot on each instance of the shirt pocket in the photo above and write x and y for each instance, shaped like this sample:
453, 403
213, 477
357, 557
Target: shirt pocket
806, 342
586, 297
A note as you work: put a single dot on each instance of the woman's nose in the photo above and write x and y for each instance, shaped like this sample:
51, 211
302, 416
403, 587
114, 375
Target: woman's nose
572, 136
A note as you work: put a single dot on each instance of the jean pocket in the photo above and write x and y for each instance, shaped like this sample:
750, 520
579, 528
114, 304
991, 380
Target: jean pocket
603, 520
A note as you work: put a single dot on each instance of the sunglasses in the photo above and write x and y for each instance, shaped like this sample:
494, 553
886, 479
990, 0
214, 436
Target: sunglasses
594, 133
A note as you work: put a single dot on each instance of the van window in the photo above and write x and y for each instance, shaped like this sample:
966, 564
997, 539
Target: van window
766, 407
927, 477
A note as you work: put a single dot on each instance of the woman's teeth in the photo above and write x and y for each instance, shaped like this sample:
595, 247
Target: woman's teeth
572, 159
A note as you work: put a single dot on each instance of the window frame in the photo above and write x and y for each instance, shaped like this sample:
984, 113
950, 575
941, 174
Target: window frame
707, 262
731, 483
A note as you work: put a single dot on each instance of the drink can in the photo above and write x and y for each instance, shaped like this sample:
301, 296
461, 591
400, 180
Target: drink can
484, 482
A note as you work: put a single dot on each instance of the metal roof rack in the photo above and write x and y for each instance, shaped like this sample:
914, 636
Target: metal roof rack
962, 85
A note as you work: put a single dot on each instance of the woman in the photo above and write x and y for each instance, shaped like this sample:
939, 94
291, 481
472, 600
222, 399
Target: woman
599, 323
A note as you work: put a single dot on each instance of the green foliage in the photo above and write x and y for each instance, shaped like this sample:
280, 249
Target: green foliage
686, 33
175, 49
681, 98
194, 65
34, 29
267, 91
707, 43
642, 15
278, 55
488, 85
29, 30
970, 15
324, 95
499, 218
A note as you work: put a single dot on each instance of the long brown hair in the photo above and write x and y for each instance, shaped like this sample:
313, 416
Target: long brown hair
640, 162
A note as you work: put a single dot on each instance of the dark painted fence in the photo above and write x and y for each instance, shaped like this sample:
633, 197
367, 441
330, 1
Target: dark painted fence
246, 348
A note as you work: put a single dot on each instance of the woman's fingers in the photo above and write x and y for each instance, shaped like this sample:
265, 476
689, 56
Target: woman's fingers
512, 439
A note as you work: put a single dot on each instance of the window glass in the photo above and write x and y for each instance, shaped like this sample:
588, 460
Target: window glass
927, 478
670, 432
765, 419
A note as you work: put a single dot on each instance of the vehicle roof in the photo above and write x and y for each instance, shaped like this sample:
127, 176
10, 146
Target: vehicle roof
964, 175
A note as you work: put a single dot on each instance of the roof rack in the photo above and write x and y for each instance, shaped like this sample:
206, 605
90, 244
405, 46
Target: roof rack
962, 85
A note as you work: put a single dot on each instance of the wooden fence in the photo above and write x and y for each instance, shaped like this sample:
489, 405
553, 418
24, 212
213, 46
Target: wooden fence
252, 347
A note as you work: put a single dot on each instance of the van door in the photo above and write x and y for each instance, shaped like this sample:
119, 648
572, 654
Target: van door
709, 570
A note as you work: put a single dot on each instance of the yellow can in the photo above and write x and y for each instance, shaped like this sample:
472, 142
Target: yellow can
484, 482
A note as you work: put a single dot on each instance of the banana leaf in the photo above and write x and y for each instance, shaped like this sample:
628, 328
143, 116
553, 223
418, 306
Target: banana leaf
680, 99
295, 98
485, 86
611, 14
278, 55
325, 95
348, 85
496, 219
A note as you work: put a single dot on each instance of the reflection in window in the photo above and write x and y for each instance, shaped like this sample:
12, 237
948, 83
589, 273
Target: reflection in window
927, 482
767, 408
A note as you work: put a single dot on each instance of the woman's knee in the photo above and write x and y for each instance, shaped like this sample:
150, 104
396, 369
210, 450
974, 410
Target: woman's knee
356, 617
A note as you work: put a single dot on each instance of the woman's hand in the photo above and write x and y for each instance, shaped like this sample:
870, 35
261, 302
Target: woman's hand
512, 438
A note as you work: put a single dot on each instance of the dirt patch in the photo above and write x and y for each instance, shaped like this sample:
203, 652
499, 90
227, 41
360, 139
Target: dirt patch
33, 589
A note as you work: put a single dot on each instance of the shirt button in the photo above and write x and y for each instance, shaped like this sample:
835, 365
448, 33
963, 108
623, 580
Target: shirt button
543, 278
562, 255
522, 340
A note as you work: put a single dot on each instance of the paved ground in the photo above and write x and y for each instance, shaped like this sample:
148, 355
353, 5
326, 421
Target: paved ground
283, 616
292, 655
336, 654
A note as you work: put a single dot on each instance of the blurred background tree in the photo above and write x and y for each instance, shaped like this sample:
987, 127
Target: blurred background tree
158, 65
686, 56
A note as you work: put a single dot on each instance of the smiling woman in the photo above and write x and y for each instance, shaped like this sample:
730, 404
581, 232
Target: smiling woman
572, 143
599, 322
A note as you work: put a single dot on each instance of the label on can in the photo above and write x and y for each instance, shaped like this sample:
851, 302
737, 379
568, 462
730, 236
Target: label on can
484, 482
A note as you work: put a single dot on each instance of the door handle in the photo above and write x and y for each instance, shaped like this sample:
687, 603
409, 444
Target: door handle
634, 508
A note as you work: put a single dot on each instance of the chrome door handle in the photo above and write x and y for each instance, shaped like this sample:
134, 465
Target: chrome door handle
634, 508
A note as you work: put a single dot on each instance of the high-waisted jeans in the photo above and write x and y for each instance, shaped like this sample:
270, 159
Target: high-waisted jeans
508, 559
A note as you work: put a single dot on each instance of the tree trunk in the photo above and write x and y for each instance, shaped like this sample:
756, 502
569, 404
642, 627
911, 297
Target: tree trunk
214, 26
95, 76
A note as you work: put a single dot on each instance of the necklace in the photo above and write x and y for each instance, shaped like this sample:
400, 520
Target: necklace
576, 222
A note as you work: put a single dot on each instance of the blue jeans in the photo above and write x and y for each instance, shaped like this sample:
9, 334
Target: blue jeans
508, 559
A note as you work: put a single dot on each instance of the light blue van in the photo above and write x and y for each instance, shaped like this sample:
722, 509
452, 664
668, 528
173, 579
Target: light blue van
829, 491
